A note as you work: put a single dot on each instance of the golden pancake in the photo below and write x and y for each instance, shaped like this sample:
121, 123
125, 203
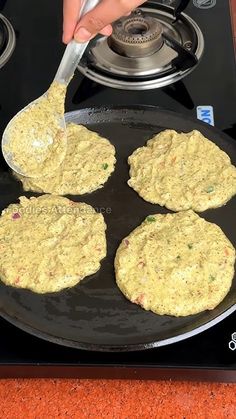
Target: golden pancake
50, 243
89, 162
182, 171
175, 264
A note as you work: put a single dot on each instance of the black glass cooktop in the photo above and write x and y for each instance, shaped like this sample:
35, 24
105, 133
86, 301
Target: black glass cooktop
210, 93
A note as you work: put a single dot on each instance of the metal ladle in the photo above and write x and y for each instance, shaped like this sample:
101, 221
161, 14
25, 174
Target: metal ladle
72, 55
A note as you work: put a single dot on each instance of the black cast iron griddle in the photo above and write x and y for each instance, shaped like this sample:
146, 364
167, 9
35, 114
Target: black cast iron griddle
94, 315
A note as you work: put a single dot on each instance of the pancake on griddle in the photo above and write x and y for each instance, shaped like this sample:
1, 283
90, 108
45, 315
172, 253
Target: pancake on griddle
182, 171
89, 161
50, 243
175, 264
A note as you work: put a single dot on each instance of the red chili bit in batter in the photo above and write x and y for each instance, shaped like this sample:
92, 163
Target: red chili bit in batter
15, 216
140, 299
126, 241
141, 264
226, 251
17, 280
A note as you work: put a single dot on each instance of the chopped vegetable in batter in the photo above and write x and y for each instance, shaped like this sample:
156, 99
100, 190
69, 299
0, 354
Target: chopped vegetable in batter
151, 219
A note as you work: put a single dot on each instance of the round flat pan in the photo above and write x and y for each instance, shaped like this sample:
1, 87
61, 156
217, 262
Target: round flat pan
94, 315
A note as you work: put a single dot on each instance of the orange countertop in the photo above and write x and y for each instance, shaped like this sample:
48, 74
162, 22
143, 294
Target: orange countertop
50, 399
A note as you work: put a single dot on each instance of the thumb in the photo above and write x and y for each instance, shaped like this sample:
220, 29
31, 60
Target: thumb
106, 12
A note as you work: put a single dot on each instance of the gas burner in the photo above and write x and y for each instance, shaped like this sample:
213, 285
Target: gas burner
7, 40
148, 49
136, 36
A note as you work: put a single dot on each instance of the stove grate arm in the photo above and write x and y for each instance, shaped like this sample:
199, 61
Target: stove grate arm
180, 6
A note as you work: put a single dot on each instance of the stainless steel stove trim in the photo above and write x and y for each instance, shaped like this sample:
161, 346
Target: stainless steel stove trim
10, 44
119, 370
153, 83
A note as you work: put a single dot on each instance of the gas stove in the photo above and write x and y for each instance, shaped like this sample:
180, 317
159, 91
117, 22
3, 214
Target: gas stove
153, 47
182, 63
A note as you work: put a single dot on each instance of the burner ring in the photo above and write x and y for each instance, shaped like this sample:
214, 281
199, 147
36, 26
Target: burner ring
3, 36
137, 30
7, 40
136, 36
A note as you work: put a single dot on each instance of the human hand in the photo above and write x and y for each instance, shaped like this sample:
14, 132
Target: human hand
97, 21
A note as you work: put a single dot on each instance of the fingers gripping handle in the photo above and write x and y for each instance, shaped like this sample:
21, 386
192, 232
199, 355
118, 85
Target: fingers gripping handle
74, 50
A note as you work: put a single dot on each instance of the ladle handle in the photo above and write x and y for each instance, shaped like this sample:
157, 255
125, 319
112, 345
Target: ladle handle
74, 50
